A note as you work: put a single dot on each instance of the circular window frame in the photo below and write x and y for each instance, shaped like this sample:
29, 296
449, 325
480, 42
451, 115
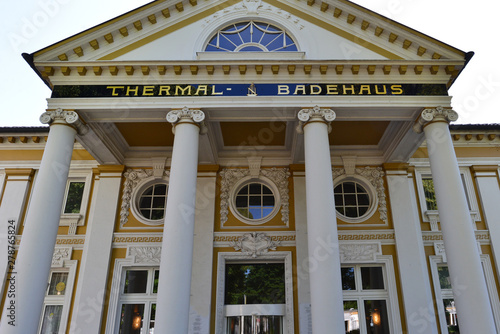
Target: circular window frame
136, 196
372, 198
249, 180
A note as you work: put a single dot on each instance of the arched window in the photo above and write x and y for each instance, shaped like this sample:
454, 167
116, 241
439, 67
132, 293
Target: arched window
251, 36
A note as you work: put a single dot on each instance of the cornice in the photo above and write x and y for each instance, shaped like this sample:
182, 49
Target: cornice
133, 71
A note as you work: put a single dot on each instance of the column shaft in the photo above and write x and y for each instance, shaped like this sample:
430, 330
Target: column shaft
40, 232
172, 315
324, 261
466, 273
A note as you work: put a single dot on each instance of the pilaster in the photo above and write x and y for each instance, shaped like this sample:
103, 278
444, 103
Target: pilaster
415, 283
96, 255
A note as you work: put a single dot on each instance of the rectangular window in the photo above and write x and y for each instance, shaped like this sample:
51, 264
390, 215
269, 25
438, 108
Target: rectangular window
57, 295
256, 283
51, 319
74, 197
365, 300
138, 301
430, 195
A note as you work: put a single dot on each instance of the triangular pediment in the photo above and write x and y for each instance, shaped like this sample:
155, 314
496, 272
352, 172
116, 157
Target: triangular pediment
168, 30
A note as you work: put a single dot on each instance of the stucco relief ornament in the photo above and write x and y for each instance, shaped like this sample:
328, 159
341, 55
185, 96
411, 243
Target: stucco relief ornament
132, 178
252, 6
145, 255
306, 115
69, 117
429, 115
254, 244
178, 115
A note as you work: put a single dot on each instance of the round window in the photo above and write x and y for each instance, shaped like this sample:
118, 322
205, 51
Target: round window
255, 201
152, 202
352, 200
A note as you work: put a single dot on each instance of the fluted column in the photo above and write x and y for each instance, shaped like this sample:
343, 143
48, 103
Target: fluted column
327, 308
466, 273
172, 312
32, 266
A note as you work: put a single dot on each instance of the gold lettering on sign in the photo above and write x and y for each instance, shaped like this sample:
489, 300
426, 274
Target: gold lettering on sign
301, 88
114, 88
283, 90
214, 91
132, 90
179, 89
202, 89
365, 88
397, 89
164, 89
380, 92
332, 90
315, 89
148, 90
351, 89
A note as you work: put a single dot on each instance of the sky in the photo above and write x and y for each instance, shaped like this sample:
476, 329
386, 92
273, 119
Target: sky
30, 25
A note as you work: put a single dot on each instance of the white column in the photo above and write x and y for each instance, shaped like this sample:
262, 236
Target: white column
17, 182
489, 192
172, 312
42, 222
466, 273
415, 283
324, 261
94, 267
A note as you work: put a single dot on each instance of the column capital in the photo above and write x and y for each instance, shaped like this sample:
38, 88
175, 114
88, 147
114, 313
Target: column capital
188, 115
315, 114
67, 117
438, 114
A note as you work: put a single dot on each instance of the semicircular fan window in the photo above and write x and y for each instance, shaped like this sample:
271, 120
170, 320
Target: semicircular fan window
251, 36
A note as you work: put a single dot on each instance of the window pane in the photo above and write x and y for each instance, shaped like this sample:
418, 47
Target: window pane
348, 281
265, 324
430, 195
255, 201
257, 283
131, 321
74, 198
160, 189
152, 319
377, 320
451, 316
57, 286
51, 319
444, 277
255, 188
136, 281
351, 317
155, 281
372, 278
349, 188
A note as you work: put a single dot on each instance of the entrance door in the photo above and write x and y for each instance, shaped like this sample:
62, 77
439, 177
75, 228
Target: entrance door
254, 298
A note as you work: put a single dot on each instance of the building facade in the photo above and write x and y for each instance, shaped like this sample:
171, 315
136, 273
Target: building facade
248, 167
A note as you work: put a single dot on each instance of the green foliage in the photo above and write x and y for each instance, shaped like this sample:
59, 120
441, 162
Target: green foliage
430, 195
255, 283
74, 199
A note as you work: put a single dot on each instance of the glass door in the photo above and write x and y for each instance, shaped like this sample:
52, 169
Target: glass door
254, 298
